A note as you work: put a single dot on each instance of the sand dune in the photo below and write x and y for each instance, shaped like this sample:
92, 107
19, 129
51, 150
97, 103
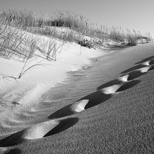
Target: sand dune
101, 112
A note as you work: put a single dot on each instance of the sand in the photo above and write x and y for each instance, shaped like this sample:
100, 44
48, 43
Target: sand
85, 102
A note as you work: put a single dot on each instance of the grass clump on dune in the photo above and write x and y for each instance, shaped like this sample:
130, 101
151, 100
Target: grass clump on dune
71, 27
16, 44
67, 27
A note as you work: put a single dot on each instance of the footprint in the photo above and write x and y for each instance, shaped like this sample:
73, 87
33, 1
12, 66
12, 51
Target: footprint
63, 125
71, 109
128, 85
146, 59
146, 63
112, 82
111, 89
123, 78
79, 106
144, 69
86, 102
112, 86
149, 62
134, 75
38, 131
137, 73
133, 68
95, 98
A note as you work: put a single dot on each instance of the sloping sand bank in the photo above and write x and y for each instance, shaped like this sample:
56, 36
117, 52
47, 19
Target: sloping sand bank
107, 108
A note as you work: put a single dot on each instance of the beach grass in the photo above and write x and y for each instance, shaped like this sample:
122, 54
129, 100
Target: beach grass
65, 26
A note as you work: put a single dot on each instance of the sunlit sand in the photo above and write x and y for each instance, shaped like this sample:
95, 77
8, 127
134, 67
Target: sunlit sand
86, 99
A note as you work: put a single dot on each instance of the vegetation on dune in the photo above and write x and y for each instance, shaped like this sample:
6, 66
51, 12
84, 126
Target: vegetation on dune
64, 26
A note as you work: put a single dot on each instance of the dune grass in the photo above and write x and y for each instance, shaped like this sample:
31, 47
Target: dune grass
67, 27
14, 44
27, 20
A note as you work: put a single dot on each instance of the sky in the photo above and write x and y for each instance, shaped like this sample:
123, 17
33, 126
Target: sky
128, 14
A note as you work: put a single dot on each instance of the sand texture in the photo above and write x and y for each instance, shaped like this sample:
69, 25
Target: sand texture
103, 107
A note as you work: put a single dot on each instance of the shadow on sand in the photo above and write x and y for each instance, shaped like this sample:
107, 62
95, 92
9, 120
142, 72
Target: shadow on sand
13, 151
146, 59
110, 83
151, 68
18, 138
133, 68
94, 99
63, 125
128, 85
135, 74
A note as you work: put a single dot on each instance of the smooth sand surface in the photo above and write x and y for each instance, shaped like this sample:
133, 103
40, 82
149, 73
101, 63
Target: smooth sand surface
106, 108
